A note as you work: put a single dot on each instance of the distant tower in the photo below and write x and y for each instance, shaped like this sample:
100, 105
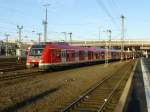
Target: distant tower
45, 23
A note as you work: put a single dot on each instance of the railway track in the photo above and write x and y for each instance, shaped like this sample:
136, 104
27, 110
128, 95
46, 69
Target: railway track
11, 63
102, 96
19, 74
12, 68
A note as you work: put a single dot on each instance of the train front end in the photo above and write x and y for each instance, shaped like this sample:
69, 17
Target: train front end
34, 55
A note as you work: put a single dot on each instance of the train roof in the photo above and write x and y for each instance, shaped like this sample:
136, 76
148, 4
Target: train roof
63, 45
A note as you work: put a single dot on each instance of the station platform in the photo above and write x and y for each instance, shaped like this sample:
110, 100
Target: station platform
136, 95
145, 66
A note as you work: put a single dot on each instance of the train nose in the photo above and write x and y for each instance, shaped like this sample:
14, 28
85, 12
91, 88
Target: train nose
32, 63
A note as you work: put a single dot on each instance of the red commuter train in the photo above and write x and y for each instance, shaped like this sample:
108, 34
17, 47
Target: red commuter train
50, 55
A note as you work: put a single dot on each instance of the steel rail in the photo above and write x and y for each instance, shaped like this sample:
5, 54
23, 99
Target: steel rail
111, 94
12, 68
18, 75
83, 96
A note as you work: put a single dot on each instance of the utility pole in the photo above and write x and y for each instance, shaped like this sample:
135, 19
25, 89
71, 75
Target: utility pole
109, 35
6, 47
39, 34
45, 23
99, 33
19, 28
108, 46
106, 52
65, 33
70, 37
122, 36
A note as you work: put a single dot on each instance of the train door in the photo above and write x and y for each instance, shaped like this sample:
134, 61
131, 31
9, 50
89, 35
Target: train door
63, 56
68, 55
97, 55
81, 55
56, 55
90, 55
73, 55
103, 55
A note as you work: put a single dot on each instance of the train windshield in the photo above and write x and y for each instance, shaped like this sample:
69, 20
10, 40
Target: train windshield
36, 50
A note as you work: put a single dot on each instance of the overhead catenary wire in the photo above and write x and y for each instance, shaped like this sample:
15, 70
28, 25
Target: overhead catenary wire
107, 12
100, 3
116, 6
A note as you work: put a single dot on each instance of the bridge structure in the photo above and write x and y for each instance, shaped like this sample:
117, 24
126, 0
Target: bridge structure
142, 46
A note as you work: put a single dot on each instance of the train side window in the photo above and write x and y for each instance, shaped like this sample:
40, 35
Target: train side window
67, 54
81, 53
63, 53
89, 53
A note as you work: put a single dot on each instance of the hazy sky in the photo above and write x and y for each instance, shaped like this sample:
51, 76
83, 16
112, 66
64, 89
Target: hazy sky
83, 18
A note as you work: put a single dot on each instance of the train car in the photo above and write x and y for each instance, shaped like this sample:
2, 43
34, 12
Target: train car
51, 55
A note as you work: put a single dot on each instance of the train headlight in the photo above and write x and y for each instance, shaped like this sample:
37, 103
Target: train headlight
41, 61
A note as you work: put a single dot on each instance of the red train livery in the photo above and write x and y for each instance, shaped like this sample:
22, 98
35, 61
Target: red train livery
50, 55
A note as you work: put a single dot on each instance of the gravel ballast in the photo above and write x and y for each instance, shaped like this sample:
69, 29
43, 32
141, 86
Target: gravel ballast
52, 91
